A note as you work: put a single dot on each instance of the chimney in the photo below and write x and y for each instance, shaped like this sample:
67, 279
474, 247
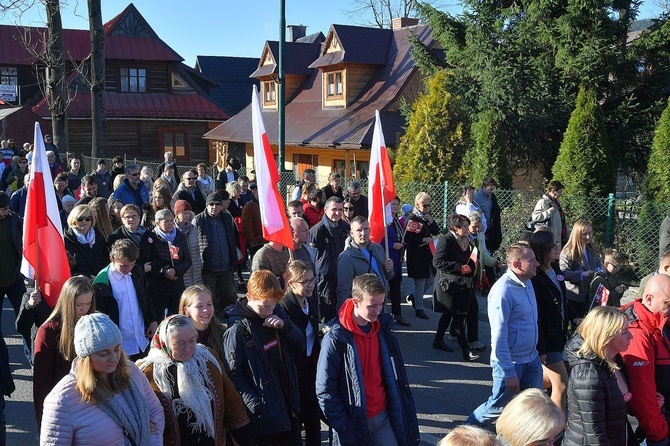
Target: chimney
403, 22
296, 32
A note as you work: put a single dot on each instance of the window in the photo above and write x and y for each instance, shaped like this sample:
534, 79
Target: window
269, 93
303, 161
175, 140
8, 76
359, 169
133, 80
334, 84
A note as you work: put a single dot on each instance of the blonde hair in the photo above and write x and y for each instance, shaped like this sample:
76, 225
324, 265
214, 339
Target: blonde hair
467, 435
217, 328
420, 196
80, 210
100, 210
598, 329
575, 247
530, 417
65, 311
97, 388
117, 181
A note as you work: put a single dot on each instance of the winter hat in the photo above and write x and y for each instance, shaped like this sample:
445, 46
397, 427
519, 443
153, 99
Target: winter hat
68, 199
181, 206
95, 332
407, 208
215, 197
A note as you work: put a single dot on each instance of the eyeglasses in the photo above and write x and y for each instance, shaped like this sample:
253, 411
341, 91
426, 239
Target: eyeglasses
23, 162
425, 205
190, 179
136, 174
614, 267
80, 219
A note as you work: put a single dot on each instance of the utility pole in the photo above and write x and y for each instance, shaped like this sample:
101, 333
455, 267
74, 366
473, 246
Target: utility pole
281, 84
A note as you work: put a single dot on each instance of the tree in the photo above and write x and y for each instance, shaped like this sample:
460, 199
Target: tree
488, 157
434, 139
584, 164
98, 114
57, 94
657, 187
379, 13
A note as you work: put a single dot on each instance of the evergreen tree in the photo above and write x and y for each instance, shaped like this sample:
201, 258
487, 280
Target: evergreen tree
657, 185
432, 148
489, 157
584, 164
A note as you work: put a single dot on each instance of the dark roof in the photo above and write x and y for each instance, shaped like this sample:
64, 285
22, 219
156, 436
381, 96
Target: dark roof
360, 45
309, 124
191, 106
297, 57
127, 37
233, 91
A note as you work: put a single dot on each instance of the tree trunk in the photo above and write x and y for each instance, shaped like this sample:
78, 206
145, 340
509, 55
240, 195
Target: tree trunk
98, 113
56, 82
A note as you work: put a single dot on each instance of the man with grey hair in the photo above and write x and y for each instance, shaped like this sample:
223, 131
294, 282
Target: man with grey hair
302, 251
359, 200
174, 260
169, 161
132, 190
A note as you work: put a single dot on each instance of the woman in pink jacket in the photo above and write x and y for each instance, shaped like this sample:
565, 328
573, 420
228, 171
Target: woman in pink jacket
105, 399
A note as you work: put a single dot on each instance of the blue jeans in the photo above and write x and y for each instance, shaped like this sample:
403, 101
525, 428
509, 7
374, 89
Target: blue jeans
530, 375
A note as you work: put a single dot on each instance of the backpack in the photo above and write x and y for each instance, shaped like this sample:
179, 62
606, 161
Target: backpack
532, 225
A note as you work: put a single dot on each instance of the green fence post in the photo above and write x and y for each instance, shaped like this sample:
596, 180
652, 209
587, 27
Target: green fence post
610, 219
446, 203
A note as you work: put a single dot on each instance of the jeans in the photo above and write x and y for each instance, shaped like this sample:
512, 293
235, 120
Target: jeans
381, 430
421, 287
530, 375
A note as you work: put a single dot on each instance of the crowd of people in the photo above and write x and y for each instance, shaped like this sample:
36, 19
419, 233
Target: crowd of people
157, 338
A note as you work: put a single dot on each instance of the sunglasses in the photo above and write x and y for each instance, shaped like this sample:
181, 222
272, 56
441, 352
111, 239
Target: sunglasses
136, 174
349, 208
190, 179
80, 219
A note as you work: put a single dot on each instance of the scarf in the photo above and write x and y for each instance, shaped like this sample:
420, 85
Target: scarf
193, 379
166, 237
136, 422
136, 235
418, 213
83, 239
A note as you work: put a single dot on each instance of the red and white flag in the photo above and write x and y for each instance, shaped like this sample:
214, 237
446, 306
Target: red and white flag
273, 213
44, 257
381, 190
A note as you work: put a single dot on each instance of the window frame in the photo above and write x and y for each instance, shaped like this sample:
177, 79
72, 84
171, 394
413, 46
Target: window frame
332, 80
174, 131
269, 87
127, 74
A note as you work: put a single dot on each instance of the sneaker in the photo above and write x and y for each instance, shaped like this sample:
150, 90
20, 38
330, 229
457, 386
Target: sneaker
471, 356
421, 314
410, 299
451, 338
476, 345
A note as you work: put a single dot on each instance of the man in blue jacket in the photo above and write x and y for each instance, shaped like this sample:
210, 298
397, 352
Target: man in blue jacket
132, 190
361, 381
512, 310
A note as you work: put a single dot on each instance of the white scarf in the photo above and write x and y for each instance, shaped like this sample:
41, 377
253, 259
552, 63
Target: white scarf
88, 238
193, 381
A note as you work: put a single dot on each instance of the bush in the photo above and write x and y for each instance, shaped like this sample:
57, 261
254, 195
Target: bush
657, 185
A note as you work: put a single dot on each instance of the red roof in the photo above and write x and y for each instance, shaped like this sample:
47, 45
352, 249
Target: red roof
78, 42
144, 105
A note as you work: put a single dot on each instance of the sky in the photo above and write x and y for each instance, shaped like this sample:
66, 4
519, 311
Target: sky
219, 27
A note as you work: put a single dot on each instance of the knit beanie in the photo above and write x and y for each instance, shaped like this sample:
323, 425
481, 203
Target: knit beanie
180, 206
215, 197
95, 332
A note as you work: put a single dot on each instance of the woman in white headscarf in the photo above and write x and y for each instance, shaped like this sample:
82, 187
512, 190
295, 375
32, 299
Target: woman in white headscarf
188, 379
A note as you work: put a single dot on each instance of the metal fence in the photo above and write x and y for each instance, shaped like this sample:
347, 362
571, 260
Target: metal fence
629, 225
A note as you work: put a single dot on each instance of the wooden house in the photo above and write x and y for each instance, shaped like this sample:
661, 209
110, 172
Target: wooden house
333, 88
154, 102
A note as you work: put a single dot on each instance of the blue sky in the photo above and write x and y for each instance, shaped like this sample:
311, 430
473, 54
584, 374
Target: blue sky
218, 28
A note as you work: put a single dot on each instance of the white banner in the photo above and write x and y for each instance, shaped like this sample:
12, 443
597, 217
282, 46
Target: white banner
8, 93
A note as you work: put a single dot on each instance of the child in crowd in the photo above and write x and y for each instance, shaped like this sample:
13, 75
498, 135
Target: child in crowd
605, 288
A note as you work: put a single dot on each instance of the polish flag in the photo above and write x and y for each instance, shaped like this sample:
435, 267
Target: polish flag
273, 214
381, 190
44, 257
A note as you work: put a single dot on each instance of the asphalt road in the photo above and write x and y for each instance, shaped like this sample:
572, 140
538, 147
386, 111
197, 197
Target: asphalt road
445, 388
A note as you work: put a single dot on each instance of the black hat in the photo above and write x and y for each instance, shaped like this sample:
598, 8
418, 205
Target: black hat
4, 199
102, 161
253, 186
234, 163
211, 198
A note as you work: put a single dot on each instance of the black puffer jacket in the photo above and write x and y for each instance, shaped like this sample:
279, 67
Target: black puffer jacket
596, 409
552, 312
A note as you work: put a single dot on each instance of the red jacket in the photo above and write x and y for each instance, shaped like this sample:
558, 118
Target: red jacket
312, 214
648, 368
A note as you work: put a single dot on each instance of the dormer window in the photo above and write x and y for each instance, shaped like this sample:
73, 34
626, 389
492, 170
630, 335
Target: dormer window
334, 85
269, 93
133, 80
